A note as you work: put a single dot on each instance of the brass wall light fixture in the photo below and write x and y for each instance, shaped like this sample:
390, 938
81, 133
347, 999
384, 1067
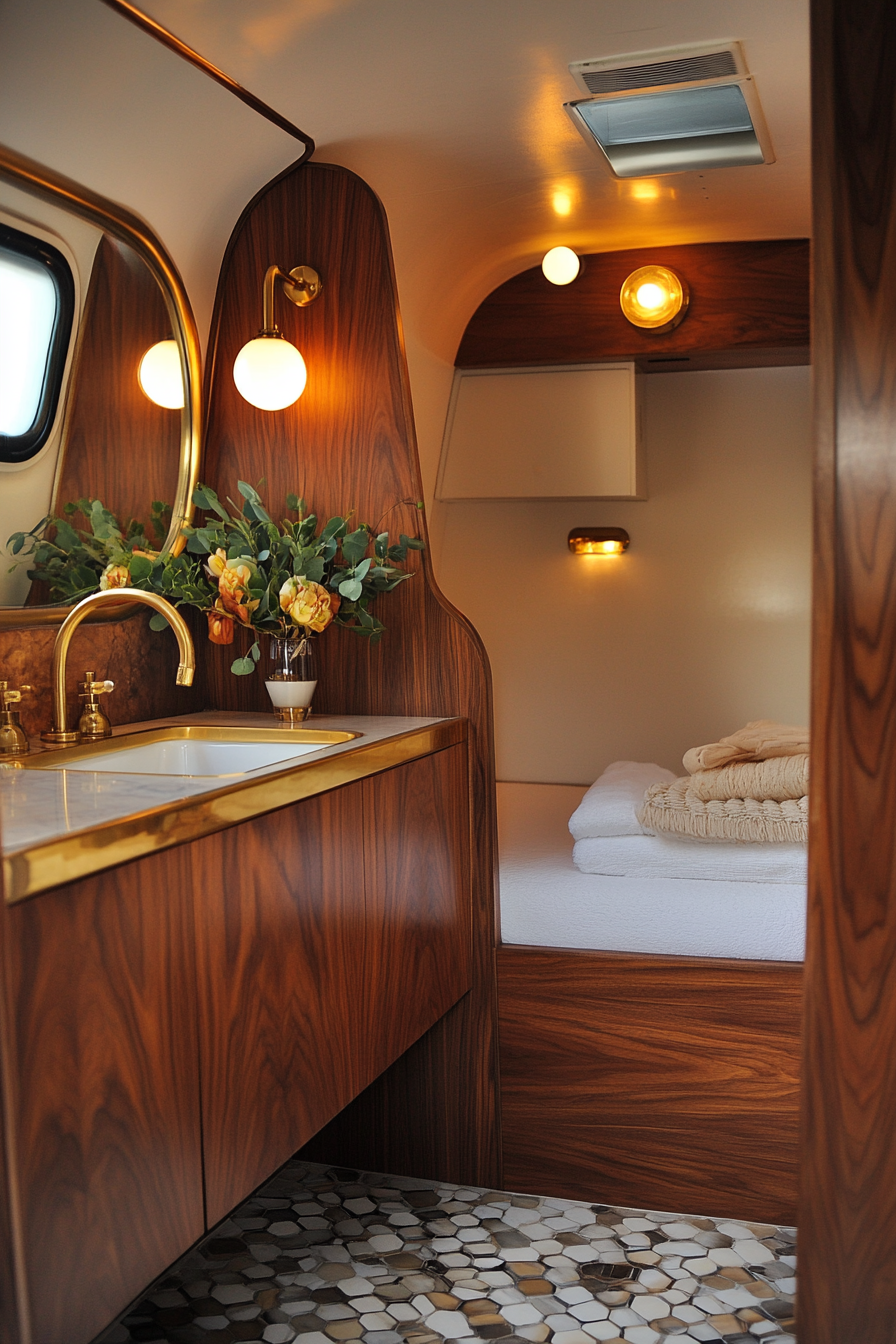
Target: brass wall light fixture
269, 371
598, 540
654, 298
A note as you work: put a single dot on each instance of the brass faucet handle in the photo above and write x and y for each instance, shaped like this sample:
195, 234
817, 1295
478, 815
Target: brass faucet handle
13, 741
11, 697
89, 688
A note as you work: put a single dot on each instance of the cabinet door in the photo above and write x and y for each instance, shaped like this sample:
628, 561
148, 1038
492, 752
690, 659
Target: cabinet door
279, 907
417, 843
102, 1048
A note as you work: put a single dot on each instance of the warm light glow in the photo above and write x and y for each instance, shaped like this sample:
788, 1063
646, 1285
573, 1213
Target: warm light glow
562, 203
560, 265
160, 376
651, 297
655, 298
598, 541
645, 191
270, 373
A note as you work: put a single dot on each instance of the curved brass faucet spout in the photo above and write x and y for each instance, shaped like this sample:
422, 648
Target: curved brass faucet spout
60, 732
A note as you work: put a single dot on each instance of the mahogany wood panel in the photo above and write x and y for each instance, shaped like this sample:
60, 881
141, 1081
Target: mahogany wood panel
349, 442
141, 662
848, 1199
280, 924
13, 1299
417, 856
102, 1047
658, 1082
119, 446
749, 305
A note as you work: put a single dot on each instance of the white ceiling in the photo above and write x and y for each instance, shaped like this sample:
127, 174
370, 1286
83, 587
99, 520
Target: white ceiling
451, 109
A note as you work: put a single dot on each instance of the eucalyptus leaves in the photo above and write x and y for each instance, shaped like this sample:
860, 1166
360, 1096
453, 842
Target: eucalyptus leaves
277, 577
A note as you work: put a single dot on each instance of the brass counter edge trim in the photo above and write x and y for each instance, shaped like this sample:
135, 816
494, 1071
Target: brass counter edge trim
85, 853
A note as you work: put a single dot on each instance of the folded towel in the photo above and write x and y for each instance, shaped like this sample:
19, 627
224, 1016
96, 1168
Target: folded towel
672, 809
610, 805
759, 741
780, 778
663, 856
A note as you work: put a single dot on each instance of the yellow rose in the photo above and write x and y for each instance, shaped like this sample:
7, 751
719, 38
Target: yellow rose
115, 576
308, 604
216, 563
233, 587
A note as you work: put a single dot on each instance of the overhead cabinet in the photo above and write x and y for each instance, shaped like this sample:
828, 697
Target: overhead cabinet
567, 432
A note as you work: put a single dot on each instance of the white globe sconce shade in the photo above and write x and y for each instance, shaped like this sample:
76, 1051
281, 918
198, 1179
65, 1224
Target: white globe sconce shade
270, 373
560, 265
160, 376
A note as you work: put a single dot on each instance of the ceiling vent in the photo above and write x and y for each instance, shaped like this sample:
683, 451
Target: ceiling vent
672, 111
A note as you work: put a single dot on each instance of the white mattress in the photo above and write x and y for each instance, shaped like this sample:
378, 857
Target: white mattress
547, 902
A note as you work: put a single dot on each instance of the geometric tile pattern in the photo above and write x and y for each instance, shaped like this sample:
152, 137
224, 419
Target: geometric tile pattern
325, 1255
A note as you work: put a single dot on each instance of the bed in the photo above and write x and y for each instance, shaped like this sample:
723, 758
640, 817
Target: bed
649, 1027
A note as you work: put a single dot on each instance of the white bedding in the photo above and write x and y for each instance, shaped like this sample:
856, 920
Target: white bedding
546, 901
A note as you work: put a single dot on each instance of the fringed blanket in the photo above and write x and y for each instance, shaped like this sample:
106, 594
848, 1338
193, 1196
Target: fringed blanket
673, 809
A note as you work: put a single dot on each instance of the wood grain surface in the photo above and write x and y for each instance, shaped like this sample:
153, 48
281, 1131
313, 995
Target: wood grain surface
349, 443
848, 1201
657, 1082
749, 306
280, 915
118, 445
104, 1108
14, 1323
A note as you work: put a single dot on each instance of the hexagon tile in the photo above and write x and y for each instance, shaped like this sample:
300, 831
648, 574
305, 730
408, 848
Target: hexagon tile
324, 1255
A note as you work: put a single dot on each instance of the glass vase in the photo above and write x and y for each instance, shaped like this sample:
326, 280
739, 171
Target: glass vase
291, 677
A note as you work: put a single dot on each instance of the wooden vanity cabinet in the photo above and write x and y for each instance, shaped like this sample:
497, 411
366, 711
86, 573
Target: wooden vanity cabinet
329, 937
103, 1091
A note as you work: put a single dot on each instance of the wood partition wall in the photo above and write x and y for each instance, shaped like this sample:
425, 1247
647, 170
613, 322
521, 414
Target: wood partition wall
349, 443
848, 1209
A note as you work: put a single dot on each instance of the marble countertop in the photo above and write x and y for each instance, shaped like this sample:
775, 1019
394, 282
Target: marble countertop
60, 825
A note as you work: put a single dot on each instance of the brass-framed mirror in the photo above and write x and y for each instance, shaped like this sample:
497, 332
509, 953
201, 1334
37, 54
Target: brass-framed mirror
103, 427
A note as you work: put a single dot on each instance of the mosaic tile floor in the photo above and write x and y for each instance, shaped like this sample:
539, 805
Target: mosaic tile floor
323, 1255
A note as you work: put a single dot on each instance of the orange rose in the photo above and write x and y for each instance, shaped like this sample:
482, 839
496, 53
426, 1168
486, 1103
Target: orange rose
233, 587
308, 604
220, 626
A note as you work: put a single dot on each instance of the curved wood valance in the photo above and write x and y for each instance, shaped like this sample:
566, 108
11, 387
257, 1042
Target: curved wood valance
749, 307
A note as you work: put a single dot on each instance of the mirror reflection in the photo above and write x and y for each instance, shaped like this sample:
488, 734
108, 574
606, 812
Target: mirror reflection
80, 312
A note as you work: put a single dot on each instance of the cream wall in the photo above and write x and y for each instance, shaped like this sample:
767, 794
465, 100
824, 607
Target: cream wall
700, 627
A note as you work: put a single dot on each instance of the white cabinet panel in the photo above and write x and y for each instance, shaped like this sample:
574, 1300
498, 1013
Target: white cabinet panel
562, 432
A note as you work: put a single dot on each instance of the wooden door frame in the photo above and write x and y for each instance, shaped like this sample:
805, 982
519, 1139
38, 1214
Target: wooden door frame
847, 1222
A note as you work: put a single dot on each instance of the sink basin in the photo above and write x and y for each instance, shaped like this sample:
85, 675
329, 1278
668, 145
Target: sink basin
191, 751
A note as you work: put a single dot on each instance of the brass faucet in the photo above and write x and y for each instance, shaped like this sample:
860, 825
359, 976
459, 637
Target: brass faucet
60, 734
13, 741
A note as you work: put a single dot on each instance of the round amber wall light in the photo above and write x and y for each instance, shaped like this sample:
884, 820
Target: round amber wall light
655, 298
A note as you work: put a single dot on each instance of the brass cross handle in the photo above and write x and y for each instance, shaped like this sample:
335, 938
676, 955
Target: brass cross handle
11, 697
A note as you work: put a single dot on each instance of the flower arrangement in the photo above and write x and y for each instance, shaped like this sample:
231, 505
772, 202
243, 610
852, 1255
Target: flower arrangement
74, 561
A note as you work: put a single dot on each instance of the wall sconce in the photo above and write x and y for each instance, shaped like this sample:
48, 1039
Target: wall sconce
655, 298
598, 540
160, 376
269, 372
560, 265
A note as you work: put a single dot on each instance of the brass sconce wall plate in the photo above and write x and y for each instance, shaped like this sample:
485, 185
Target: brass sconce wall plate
654, 298
598, 540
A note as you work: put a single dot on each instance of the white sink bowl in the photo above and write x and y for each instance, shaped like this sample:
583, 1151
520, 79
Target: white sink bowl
193, 752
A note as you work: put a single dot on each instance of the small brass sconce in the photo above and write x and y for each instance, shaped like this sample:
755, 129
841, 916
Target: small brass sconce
269, 371
654, 298
598, 540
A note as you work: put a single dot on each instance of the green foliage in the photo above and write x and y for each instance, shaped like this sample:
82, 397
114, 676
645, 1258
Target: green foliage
357, 563
70, 559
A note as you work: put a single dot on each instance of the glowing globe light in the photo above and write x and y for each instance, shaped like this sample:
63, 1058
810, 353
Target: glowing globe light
160, 376
270, 373
560, 265
655, 298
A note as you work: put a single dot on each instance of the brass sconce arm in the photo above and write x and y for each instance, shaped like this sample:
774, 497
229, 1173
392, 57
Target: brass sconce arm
301, 286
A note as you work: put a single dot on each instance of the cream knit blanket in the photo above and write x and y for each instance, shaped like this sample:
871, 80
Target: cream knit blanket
672, 809
778, 779
757, 742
